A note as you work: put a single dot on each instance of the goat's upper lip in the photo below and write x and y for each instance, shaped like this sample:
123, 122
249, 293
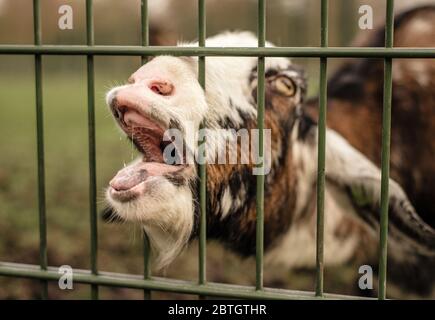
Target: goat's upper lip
132, 117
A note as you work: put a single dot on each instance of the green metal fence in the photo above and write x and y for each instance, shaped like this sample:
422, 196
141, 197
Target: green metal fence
96, 278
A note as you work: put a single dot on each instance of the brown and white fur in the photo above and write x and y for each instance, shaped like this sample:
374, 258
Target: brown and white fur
355, 95
163, 198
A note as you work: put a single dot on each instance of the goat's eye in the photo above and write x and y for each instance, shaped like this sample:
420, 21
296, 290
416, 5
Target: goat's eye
285, 86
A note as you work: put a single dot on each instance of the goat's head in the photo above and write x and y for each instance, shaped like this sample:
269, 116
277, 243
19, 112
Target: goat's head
160, 190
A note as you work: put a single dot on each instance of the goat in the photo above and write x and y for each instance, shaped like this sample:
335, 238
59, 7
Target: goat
163, 198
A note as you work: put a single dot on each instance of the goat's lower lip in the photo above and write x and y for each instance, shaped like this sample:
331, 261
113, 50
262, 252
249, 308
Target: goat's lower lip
127, 195
131, 182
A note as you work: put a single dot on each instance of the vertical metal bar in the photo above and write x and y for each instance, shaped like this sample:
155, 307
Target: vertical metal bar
202, 167
91, 138
40, 148
145, 26
385, 162
260, 124
321, 152
146, 244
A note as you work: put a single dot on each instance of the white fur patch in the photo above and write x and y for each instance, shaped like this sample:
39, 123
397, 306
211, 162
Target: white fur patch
297, 248
226, 202
345, 167
167, 219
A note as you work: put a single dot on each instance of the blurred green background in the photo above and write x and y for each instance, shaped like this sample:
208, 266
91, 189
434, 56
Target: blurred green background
289, 23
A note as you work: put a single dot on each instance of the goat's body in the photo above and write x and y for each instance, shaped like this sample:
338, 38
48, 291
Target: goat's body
165, 94
344, 234
355, 108
355, 111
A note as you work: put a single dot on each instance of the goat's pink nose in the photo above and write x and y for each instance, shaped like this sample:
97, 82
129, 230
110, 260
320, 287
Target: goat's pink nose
161, 87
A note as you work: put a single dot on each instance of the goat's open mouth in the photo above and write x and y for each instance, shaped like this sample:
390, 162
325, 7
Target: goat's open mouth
148, 137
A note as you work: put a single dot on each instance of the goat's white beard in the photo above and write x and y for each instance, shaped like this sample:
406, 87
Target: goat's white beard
166, 213
169, 236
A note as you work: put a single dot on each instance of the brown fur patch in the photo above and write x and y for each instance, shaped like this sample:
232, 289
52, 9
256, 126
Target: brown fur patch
238, 228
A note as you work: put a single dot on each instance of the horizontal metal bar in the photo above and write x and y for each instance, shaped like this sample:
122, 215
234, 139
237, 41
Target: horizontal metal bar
161, 284
314, 52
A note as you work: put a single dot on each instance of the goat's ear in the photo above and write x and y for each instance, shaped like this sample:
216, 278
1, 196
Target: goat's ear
359, 180
109, 215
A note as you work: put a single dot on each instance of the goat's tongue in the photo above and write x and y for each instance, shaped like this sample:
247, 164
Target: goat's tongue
128, 177
136, 173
